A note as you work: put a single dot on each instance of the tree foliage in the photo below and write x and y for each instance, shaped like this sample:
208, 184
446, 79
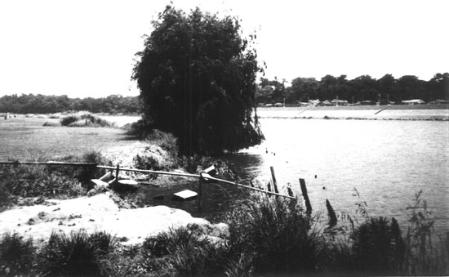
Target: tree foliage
362, 88
197, 80
29, 103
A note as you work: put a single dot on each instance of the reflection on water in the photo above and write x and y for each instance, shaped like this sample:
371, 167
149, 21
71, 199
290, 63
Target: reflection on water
387, 161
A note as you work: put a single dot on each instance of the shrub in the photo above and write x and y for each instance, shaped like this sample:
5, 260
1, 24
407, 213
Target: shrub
67, 120
147, 162
277, 234
78, 254
140, 129
84, 120
16, 255
378, 246
184, 251
32, 181
5, 196
422, 257
95, 120
83, 173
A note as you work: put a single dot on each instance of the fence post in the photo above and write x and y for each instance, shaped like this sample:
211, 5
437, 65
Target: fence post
331, 214
116, 172
200, 193
302, 183
273, 177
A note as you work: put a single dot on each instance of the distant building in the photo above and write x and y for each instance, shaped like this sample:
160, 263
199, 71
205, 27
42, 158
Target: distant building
366, 102
439, 101
314, 102
339, 102
413, 102
326, 103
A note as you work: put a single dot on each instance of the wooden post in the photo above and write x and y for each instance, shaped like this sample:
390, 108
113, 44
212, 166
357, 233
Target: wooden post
116, 172
200, 193
273, 177
302, 183
331, 214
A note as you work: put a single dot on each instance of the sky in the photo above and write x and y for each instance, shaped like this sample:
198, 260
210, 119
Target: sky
86, 48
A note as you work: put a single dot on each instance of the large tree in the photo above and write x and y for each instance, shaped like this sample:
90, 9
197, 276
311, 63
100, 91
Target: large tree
196, 77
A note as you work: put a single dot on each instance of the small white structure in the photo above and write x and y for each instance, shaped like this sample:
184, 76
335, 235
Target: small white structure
185, 194
413, 102
314, 102
339, 102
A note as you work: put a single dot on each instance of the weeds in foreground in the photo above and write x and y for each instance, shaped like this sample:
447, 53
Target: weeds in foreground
378, 247
16, 255
277, 236
266, 236
422, 256
36, 181
78, 254
53, 181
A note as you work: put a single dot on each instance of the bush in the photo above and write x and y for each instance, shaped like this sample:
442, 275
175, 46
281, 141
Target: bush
16, 255
32, 181
84, 120
83, 173
140, 129
277, 235
378, 246
66, 121
422, 257
5, 196
185, 251
76, 255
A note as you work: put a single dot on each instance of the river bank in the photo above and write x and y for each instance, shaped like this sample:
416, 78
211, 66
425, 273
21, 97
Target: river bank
394, 112
265, 235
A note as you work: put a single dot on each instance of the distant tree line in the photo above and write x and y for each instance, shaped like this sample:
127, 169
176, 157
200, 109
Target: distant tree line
30, 103
363, 88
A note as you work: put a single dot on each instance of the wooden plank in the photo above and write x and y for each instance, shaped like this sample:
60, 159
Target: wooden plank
99, 183
273, 178
185, 194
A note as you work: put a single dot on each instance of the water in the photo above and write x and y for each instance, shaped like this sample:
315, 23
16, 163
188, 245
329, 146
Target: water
387, 161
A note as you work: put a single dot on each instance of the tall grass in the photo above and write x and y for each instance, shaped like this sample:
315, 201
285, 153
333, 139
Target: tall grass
78, 254
48, 181
423, 257
277, 237
16, 255
267, 236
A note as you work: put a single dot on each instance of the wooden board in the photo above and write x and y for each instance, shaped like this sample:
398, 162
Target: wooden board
99, 183
186, 194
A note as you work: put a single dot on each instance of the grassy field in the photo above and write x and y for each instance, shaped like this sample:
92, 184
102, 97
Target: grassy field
24, 138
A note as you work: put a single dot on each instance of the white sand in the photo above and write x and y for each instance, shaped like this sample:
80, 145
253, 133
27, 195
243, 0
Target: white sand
96, 213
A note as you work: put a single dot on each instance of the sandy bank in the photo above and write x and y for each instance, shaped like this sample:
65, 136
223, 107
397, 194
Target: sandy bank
96, 213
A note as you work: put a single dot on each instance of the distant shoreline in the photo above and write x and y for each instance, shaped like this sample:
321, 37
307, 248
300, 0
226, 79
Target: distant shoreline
363, 107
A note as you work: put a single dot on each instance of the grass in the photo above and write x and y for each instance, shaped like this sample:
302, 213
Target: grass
25, 139
22, 181
277, 237
78, 254
16, 255
266, 237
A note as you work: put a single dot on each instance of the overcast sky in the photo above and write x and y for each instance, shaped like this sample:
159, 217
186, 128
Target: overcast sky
86, 48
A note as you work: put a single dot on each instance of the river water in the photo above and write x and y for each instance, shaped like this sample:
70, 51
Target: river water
387, 161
